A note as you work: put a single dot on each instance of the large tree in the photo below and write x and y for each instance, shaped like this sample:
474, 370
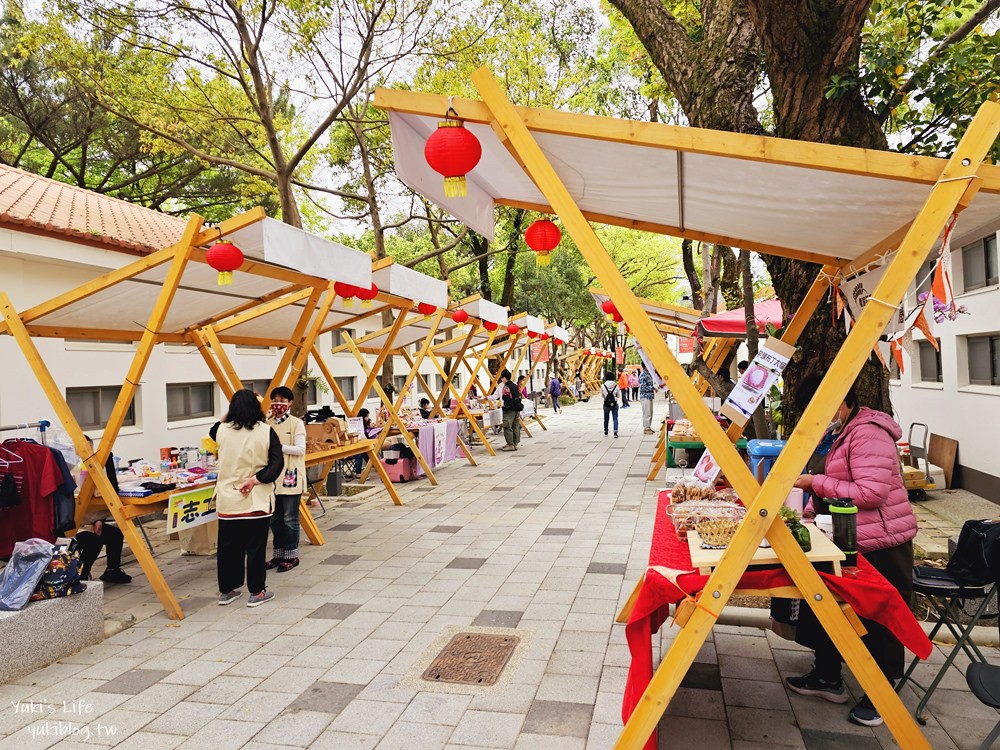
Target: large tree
715, 56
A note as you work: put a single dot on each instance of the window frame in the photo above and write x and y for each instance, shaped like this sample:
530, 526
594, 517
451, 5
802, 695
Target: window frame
340, 381
99, 392
939, 375
188, 413
992, 341
986, 249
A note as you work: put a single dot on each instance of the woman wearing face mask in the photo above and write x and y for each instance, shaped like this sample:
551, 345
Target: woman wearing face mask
291, 484
861, 464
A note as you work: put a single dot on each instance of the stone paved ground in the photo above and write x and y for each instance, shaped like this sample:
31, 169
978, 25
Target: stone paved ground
548, 540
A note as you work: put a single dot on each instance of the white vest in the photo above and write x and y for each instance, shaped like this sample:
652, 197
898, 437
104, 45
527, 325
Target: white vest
293, 479
242, 453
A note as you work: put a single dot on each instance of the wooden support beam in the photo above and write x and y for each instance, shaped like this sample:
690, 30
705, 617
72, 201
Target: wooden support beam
291, 349
205, 349
306, 345
224, 362
95, 468
373, 370
259, 310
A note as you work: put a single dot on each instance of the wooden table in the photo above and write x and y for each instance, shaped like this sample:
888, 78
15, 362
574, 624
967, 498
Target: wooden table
823, 550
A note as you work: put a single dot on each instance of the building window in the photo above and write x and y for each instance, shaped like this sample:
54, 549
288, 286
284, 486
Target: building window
979, 264
190, 401
893, 368
984, 360
92, 406
930, 362
260, 387
338, 336
346, 386
398, 381
255, 349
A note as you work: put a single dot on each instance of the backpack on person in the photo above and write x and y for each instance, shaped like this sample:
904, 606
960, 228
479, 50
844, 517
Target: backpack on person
976, 560
513, 401
610, 400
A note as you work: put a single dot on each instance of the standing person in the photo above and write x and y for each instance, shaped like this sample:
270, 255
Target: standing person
623, 387
99, 531
522, 386
861, 465
424, 407
646, 392
633, 383
285, 527
555, 390
250, 460
578, 386
610, 393
512, 407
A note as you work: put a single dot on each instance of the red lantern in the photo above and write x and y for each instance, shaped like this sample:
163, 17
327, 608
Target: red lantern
608, 307
512, 329
225, 258
490, 325
559, 342
367, 295
617, 317
545, 337
532, 334
346, 291
460, 317
425, 308
543, 237
453, 152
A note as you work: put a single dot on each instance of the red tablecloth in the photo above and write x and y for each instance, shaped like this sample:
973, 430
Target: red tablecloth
869, 594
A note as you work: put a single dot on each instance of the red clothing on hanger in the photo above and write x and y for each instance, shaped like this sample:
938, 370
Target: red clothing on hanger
37, 476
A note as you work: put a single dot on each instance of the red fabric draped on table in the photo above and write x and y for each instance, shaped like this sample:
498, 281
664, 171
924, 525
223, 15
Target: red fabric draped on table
869, 595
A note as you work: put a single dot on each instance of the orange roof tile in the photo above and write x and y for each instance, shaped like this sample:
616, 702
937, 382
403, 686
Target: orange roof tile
50, 207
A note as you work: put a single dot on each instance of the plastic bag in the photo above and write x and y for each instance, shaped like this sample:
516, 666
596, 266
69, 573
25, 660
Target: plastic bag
26, 567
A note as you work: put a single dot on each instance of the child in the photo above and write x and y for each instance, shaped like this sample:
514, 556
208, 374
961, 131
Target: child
291, 485
425, 408
99, 531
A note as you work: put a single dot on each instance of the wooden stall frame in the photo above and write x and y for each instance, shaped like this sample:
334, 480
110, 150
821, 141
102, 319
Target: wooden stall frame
953, 187
204, 336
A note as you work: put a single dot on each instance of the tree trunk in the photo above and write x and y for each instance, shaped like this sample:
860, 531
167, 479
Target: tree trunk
687, 254
286, 195
481, 246
507, 297
729, 281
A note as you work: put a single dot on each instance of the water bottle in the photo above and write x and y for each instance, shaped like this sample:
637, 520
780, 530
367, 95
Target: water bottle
845, 529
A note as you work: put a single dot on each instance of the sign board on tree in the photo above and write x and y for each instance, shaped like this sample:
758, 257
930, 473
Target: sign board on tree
619, 355
756, 382
540, 352
685, 345
748, 395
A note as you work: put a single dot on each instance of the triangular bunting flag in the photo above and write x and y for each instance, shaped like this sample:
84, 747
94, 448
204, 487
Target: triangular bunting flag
921, 324
897, 354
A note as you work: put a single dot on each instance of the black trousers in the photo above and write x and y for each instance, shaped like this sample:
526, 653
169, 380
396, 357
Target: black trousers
896, 564
242, 552
90, 545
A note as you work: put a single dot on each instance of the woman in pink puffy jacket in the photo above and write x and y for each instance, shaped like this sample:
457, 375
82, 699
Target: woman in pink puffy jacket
861, 465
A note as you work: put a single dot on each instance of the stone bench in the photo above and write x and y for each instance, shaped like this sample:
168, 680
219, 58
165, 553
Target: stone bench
46, 631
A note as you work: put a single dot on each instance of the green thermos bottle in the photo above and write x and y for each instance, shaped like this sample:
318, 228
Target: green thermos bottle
845, 528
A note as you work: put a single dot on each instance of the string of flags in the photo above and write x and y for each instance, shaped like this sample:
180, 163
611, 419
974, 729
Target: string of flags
937, 305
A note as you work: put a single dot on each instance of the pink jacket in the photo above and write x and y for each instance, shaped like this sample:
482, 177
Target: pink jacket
862, 464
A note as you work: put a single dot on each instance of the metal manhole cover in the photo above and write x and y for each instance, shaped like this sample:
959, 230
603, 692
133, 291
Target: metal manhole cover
472, 659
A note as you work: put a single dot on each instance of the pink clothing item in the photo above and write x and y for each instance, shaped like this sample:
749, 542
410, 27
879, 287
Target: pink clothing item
862, 464
633, 380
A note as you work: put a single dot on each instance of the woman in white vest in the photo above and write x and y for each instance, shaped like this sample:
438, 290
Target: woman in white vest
291, 485
250, 460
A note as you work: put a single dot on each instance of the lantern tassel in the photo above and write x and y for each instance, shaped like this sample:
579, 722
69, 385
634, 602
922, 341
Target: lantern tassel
225, 278
455, 187
543, 259
367, 304
348, 301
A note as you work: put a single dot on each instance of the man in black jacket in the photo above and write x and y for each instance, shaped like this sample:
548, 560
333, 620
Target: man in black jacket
512, 408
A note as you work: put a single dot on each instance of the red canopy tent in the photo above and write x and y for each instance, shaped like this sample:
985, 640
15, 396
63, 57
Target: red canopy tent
732, 324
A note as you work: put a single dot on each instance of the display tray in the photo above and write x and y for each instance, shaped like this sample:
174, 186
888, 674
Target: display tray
823, 550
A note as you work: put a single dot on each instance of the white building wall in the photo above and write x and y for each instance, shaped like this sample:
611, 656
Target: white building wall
35, 268
953, 408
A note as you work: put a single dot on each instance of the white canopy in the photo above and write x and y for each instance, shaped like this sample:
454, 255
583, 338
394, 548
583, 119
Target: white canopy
812, 201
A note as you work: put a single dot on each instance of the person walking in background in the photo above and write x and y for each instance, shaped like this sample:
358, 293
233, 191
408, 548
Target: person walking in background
646, 392
578, 386
285, 527
250, 460
512, 408
555, 390
623, 387
609, 394
633, 383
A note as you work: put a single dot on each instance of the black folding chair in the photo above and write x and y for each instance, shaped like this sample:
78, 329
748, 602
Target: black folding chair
984, 682
949, 600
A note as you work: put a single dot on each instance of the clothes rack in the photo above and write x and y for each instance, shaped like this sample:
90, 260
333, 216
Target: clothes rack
42, 425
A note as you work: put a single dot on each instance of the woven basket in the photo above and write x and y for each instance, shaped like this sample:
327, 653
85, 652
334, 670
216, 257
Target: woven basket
717, 533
